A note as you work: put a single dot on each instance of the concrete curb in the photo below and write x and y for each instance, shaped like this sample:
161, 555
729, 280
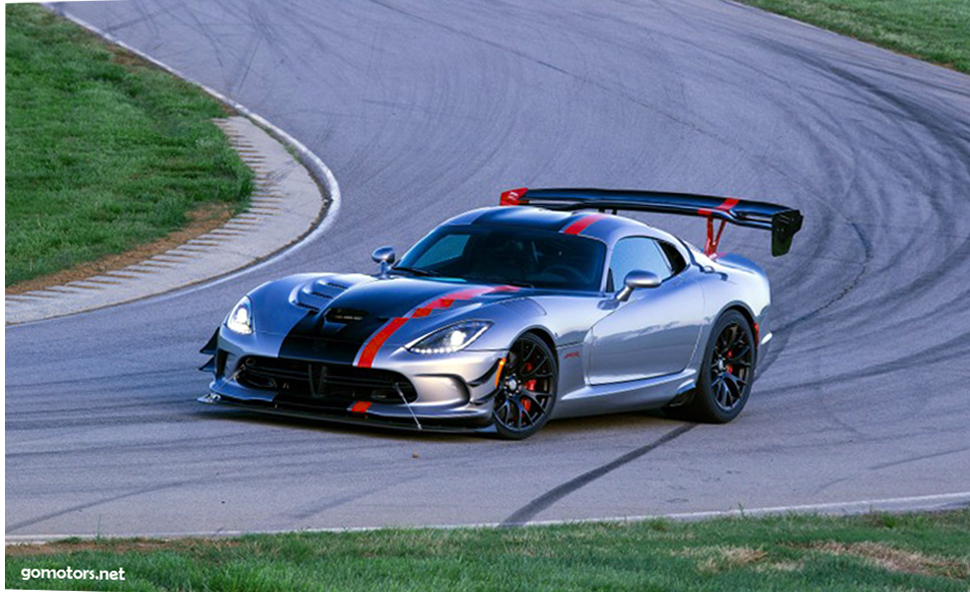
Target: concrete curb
288, 207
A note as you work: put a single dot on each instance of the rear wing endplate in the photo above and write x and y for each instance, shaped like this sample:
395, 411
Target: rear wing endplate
782, 221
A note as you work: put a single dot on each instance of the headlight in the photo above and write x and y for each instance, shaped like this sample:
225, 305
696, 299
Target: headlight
450, 339
240, 320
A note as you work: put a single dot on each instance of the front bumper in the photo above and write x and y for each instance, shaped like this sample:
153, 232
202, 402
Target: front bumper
411, 391
446, 421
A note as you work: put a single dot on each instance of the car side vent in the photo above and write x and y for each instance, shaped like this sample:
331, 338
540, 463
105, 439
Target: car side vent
345, 315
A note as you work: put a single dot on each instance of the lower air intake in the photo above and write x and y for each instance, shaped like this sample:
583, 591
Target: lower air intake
325, 381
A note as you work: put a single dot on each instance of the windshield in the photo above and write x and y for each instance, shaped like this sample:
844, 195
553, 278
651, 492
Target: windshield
506, 255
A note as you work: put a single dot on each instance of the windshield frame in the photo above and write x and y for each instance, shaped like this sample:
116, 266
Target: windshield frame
599, 251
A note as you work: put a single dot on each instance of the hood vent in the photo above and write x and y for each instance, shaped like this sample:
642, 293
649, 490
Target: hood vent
345, 315
326, 289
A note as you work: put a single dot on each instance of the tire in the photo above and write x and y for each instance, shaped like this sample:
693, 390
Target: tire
526, 393
726, 374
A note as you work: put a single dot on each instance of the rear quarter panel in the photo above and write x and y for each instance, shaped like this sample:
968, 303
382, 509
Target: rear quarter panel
733, 281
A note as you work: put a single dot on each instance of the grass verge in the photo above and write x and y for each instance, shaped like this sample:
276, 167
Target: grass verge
859, 553
934, 30
104, 151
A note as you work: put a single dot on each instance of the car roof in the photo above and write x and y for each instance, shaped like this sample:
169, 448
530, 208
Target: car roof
608, 228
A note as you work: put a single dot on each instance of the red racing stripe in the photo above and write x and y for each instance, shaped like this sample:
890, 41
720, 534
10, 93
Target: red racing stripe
725, 206
374, 344
370, 348
446, 301
581, 224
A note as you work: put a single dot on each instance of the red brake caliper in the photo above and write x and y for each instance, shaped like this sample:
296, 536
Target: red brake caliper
529, 385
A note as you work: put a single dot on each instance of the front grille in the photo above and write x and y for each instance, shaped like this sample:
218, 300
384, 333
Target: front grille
324, 381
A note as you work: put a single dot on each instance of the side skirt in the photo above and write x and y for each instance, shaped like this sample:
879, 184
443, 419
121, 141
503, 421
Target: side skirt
634, 395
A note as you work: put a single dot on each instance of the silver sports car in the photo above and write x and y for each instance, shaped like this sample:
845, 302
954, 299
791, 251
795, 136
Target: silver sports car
503, 318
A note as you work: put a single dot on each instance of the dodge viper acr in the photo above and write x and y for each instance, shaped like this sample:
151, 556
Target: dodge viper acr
550, 305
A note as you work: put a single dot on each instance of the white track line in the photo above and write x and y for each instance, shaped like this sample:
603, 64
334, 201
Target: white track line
894, 505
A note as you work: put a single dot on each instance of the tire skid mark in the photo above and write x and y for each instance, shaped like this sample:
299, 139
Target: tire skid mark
532, 509
901, 111
85, 506
955, 349
895, 463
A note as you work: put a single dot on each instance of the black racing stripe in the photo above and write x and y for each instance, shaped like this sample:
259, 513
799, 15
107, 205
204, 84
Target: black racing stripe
331, 351
314, 338
520, 217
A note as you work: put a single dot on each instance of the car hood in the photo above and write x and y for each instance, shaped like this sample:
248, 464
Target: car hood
332, 316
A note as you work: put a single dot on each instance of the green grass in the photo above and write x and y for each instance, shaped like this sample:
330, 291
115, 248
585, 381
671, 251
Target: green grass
933, 30
103, 152
872, 552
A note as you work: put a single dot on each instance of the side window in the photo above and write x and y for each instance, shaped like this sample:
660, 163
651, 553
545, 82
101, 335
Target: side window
676, 260
636, 253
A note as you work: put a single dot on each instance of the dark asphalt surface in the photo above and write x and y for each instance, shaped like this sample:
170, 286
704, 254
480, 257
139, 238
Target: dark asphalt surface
423, 110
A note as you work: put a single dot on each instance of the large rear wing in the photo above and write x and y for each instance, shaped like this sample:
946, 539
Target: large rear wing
782, 221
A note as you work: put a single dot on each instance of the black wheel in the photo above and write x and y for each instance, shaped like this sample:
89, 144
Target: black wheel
726, 374
526, 388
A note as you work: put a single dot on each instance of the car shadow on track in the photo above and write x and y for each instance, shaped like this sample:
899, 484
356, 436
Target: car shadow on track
594, 426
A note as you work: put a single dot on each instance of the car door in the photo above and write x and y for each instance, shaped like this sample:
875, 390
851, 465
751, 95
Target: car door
655, 331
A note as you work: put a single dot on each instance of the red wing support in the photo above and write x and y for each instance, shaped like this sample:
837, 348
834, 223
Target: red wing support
710, 247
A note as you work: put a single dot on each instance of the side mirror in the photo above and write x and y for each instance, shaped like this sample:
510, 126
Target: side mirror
385, 256
637, 279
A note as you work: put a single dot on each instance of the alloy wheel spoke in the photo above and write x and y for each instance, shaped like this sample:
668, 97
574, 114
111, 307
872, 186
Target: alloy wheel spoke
524, 414
728, 340
731, 392
724, 393
532, 371
502, 413
737, 380
733, 386
513, 417
738, 355
531, 395
525, 357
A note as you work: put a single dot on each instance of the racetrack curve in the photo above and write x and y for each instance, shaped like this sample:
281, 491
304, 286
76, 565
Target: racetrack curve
423, 110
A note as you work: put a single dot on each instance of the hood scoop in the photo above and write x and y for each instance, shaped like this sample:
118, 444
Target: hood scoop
317, 295
326, 289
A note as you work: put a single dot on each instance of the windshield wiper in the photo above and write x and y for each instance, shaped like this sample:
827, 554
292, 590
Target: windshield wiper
415, 271
516, 283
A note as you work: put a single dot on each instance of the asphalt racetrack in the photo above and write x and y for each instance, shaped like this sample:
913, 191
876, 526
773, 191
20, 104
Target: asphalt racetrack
424, 110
